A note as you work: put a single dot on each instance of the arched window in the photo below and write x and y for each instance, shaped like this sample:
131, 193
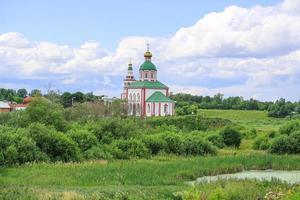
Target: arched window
138, 108
130, 97
152, 75
166, 108
148, 108
146, 75
138, 98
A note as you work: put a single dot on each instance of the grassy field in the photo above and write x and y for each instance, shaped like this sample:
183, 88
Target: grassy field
161, 177
247, 118
158, 178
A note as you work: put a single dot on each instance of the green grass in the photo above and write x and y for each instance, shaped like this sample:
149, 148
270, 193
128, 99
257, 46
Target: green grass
159, 177
247, 118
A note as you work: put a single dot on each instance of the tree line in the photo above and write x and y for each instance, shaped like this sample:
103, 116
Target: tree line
190, 104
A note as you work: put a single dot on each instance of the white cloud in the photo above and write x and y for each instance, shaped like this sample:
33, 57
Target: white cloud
258, 46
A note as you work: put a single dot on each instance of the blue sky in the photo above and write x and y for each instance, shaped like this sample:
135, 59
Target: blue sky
74, 22
235, 47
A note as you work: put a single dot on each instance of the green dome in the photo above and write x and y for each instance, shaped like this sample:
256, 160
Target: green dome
130, 68
148, 65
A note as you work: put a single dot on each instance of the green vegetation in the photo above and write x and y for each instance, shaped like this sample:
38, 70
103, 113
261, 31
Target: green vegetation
90, 151
188, 104
158, 178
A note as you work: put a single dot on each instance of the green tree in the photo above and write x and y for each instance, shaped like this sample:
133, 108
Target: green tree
22, 92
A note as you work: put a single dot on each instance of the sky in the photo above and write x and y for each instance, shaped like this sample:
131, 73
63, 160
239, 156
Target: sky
233, 47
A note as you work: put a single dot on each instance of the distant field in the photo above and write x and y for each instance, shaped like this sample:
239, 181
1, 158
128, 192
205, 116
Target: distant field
248, 118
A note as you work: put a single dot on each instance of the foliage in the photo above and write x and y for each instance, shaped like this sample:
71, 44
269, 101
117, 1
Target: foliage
290, 127
216, 139
261, 143
155, 143
43, 111
56, 145
132, 148
231, 136
196, 145
186, 103
83, 138
287, 144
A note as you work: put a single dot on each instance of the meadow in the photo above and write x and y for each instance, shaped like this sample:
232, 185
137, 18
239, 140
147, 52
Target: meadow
162, 174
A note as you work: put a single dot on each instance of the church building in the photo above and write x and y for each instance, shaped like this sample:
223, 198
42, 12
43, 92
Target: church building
147, 96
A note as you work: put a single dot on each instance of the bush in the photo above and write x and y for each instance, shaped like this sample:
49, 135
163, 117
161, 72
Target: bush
43, 111
188, 122
18, 148
58, 146
261, 143
290, 127
231, 136
132, 148
114, 128
287, 144
83, 138
98, 152
155, 143
216, 140
174, 143
195, 145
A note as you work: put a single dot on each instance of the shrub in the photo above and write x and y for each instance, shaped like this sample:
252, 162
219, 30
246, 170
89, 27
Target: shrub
98, 152
56, 145
132, 148
290, 127
175, 143
83, 138
231, 136
43, 111
195, 145
216, 140
287, 144
155, 143
18, 148
261, 143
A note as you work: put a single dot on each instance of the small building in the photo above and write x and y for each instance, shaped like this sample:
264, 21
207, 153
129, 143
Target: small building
22, 106
4, 107
147, 96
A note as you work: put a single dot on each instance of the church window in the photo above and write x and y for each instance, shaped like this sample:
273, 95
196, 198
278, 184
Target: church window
148, 109
151, 75
166, 108
146, 75
134, 99
138, 97
130, 97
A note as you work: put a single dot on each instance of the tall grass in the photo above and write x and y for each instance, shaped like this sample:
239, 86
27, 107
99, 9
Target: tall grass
160, 175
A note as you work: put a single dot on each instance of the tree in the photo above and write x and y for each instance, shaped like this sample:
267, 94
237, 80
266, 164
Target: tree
22, 93
36, 93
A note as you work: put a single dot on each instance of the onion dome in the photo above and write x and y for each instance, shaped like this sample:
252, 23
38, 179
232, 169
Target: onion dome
148, 54
148, 65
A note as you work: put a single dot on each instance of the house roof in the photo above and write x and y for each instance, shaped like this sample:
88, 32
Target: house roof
147, 84
4, 105
158, 97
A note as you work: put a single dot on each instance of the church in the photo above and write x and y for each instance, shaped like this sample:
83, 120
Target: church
147, 96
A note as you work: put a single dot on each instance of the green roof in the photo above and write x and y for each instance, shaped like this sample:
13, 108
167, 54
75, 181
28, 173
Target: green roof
148, 65
148, 84
158, 97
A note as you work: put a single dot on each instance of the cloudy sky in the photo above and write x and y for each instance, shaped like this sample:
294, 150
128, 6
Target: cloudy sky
233, 47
